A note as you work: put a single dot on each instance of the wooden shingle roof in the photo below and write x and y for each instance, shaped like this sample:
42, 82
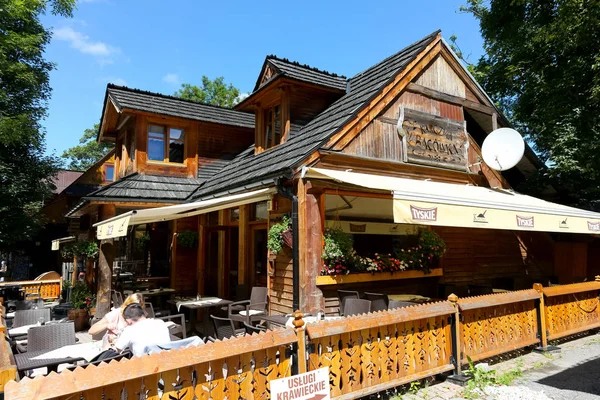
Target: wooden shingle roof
157, 103
304, 73
281, 159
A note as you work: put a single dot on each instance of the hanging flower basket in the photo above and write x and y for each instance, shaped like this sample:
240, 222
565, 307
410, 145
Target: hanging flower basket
288, 238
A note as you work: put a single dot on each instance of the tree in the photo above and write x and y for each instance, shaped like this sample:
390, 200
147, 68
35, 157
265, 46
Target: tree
25, 172
542, 66
88, 152
215, 92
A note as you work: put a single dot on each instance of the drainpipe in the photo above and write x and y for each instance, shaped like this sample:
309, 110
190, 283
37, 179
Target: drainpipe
289, 194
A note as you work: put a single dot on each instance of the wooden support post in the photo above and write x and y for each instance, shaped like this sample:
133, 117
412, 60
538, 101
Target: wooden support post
173, 266
541, 316
299, 326
456, 334
201, 261
105, 263
243, 244
222, 275
74, 274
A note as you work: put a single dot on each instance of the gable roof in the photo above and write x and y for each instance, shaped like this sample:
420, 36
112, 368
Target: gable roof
135, 99
150, 188
301, 72
281, 159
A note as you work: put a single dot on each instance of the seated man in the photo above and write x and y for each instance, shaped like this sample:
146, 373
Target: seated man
141, 332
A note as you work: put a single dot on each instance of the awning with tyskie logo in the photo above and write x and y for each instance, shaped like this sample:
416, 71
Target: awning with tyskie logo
446, 204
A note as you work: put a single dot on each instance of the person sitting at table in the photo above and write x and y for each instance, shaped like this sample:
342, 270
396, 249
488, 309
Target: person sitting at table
114, 323
141, 332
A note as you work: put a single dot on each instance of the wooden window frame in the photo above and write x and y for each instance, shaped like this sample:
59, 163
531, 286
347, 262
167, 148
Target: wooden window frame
104, 167
167, 140
272, 123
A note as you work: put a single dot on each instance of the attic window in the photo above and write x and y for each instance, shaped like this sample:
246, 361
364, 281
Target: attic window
165, 144
272, 127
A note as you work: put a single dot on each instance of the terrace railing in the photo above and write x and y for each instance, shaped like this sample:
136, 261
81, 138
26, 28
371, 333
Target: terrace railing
365, 354
372, 352
8, 370
47, 290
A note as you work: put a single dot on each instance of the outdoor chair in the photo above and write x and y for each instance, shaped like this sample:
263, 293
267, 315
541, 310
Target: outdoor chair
117, 298
31, 317
250, 310
174, 328
50, 337
379, 301
356, 307
250, 329
224, 328
343, 295
399, 304
28, 304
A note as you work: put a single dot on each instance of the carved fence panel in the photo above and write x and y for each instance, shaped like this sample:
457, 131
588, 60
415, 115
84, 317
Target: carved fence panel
497, 323
239, 368
49, 289
571, 308
380, 350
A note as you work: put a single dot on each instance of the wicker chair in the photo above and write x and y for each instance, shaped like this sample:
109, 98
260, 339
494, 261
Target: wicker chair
356, 307
224, 328
251, 310
50, 337
343, 295
379, 302
174, 328
30, 317
117, 298
399, 304
253, 329
21, 305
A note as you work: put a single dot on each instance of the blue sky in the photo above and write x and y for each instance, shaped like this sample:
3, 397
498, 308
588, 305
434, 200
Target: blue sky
156, 45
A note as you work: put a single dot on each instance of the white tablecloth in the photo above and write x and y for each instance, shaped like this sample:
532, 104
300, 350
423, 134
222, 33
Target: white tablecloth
21, 330
201, 302
309, 320
85, 350
10, 314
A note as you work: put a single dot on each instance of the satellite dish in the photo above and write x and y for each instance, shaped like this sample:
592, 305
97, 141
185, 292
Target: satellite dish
503, 149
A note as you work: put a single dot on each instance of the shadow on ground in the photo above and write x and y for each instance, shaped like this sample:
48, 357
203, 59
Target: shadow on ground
578, 378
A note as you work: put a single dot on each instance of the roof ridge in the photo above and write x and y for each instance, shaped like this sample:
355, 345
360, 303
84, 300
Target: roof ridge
428, 37
166, 96
305, 66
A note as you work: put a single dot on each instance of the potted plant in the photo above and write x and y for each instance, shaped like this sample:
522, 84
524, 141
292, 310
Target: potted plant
276, 240
80, 301
188, 239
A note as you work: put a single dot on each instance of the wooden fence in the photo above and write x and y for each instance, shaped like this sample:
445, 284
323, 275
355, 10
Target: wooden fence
497, 323
47, 290
8, 370
365, 354
570, 309
372, 352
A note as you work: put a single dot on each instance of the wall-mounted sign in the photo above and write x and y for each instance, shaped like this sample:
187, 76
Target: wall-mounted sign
432, 140
113, 229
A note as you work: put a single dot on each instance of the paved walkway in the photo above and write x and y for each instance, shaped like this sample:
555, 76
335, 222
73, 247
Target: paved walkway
571, 374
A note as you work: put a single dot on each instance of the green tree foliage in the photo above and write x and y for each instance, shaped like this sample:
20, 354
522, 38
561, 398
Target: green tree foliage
215, 92
542, 66
25, 172
88, 152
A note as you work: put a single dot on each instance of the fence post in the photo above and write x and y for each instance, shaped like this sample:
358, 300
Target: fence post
299, 325
541, 316
455, 334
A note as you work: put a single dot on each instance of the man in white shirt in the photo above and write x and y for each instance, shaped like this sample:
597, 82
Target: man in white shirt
141, 332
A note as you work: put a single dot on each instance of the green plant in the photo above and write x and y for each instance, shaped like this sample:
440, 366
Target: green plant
414, 387
188, 239
483, 377
80, 295
64, 293
87, 249
275, 238
142, 240
429, 247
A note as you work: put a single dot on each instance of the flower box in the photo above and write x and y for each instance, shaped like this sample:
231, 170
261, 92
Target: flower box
378, 276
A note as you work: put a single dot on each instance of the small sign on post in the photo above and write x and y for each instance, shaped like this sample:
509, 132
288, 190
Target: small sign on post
313, 385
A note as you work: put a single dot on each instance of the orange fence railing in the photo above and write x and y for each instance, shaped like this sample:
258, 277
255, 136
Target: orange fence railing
46, 290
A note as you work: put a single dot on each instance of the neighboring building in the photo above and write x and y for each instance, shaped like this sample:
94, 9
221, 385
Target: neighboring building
347, 152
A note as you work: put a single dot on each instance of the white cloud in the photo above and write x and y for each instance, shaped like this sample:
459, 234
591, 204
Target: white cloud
241, 97
171, 79
84, 44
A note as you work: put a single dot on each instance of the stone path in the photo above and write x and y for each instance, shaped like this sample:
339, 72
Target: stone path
571, 374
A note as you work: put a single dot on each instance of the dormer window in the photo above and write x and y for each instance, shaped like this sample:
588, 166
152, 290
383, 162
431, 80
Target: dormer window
272, 127
165, 144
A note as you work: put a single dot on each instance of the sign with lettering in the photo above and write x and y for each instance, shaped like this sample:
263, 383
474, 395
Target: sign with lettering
524, 222
313, 385
594, 226
432, 140
423, 214
113, 229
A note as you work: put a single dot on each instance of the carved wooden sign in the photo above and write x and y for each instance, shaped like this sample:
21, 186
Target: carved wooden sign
432, 140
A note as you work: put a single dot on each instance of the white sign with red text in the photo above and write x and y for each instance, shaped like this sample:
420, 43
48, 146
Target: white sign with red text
313, 385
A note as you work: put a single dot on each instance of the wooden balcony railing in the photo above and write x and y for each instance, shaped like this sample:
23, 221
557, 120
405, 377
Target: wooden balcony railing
47, 290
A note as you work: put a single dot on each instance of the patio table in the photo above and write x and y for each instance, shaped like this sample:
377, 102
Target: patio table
196, 304
494, 290
159, 294
20, 331
415, 298
87, 351
28, 361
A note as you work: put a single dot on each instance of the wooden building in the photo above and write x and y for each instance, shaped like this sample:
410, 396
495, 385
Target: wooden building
392, 149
